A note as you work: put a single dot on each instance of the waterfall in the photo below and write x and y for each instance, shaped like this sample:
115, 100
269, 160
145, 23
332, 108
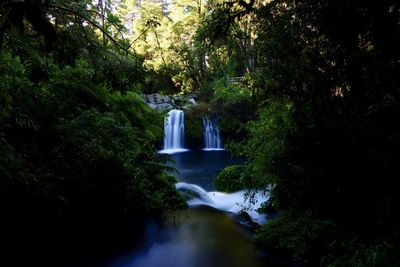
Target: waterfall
174, 130
212, 135
249, 201
201, 193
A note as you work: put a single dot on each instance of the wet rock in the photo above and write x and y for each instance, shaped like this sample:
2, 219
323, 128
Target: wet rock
163, 102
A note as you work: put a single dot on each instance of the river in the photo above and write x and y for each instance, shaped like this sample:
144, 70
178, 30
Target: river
200, 236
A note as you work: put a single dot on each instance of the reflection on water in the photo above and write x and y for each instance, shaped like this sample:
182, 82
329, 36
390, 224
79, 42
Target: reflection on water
195, 237
200, 236
201, 167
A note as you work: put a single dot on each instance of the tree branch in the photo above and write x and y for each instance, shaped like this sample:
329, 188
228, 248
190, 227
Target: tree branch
103, 31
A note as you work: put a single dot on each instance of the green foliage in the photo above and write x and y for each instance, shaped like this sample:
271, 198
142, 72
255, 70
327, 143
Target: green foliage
233, 104
160, 81
325, 88
138, 113
214, 27
166, 198
14, 85
352, 252
230, 94
338, 147
234, 178
194, 124
304, 237
321, 243
78, 160
96, 139
322, 77
70, 141
122, 73
163, 34
268, 139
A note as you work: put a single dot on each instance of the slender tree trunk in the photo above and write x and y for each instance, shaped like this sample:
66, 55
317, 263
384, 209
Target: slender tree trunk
101, 6
249, 45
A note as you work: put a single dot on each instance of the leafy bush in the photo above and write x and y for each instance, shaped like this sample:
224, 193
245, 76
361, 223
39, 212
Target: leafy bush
268, 139
70, 142
78, 162
314, 242
354, 252
234, 105
234, 178
305, 238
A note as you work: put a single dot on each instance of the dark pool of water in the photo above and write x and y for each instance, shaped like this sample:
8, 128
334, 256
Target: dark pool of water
201, 167
196, 237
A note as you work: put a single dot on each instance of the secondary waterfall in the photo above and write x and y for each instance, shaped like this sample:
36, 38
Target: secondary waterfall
174, 132
249, 201
212, 135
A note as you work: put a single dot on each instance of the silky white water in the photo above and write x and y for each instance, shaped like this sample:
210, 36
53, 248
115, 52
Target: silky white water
208, 233
174, 132
244, 200
212, 134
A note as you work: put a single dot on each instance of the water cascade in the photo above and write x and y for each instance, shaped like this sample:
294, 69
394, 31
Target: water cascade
212, 136
174, 132
249, 201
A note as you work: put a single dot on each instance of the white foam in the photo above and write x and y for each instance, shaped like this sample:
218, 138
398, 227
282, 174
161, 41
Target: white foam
173, 150
213, 149
235, 202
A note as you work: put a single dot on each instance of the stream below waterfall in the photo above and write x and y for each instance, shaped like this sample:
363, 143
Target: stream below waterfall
199, 236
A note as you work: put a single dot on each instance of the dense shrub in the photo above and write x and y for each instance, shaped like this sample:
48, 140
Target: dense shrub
72, 147
314, 242
304, 238
233, 104
234, 178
